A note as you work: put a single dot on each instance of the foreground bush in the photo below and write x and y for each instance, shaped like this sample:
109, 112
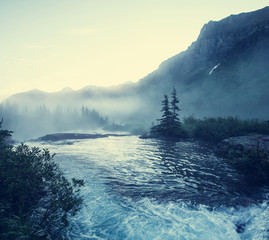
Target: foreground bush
35, 197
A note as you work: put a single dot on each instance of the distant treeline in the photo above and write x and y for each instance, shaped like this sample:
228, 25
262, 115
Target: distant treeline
27, 123
216, 129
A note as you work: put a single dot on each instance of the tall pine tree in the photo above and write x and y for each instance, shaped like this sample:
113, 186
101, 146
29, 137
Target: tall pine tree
163, 128
169, 124
175, 109
166, 120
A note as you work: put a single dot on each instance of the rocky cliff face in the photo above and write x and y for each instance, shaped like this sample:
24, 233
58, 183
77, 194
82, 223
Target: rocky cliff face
218, 39
225, 72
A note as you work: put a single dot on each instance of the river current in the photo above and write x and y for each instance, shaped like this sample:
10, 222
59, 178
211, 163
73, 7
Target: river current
153, 189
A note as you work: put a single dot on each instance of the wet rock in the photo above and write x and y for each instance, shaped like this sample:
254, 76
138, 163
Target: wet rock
240, 228
249, 154
241, 143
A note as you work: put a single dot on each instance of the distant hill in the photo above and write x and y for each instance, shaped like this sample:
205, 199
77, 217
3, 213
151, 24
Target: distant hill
225, 72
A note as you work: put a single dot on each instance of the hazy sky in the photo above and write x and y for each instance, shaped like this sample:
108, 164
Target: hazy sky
51, 44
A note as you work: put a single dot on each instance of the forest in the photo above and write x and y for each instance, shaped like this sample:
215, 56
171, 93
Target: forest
31, 123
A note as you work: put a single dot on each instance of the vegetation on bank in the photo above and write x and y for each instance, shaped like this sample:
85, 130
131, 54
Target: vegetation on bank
217, 129
36, 200
208, 129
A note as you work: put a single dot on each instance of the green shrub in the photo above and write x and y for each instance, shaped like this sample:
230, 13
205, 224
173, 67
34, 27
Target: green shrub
35, 197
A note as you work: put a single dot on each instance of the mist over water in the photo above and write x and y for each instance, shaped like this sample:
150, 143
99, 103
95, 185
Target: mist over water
151, 189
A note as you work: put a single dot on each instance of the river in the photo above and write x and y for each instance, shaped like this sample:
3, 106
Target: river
154, 189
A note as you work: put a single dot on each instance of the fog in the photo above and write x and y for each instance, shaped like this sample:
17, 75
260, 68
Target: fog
34, 114
32, 123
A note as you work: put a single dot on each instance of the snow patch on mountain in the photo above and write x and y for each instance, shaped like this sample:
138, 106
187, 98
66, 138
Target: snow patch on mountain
213, 69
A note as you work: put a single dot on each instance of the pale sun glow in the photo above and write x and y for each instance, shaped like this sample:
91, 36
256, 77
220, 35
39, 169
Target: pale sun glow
50, 45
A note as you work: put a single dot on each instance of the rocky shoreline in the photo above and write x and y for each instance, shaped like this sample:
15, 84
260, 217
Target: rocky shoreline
249, 154
254, 142
72, 136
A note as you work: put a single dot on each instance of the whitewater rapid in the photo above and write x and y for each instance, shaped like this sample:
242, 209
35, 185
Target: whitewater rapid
152, 189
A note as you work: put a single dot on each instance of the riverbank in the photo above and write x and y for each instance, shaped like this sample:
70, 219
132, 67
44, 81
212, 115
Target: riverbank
258, 142
249, 154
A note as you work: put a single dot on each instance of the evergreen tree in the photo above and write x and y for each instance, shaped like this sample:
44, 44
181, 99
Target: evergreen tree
175, 109
4, 135
170, 125
164, 127
166, 119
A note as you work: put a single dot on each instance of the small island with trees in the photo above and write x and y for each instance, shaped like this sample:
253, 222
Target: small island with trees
170, 126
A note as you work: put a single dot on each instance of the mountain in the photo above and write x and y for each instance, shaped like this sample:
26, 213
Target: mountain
225, 72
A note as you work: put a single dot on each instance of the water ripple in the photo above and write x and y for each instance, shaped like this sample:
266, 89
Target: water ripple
152, 189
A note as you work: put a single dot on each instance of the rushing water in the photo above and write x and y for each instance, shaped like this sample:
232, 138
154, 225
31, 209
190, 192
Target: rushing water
153, 189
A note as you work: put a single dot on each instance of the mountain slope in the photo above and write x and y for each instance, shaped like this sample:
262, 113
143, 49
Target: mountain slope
238, 48
225, 72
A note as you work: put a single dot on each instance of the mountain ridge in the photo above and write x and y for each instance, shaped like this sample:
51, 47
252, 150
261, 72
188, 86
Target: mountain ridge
236, 47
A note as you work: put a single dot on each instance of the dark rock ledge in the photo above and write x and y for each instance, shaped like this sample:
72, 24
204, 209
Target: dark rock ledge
254, 142
249, 154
